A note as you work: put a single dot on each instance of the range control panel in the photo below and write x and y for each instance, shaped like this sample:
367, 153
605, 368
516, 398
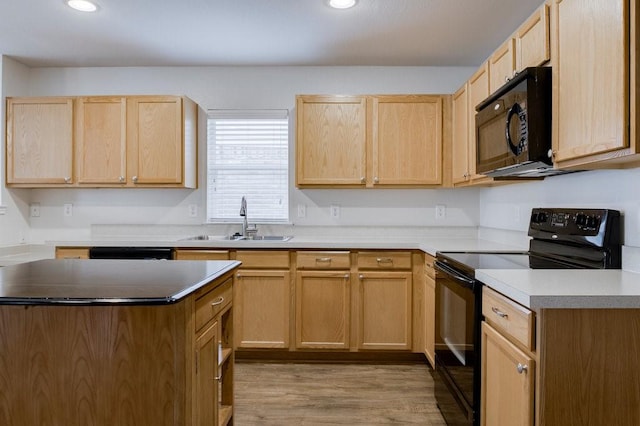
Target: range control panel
595, 225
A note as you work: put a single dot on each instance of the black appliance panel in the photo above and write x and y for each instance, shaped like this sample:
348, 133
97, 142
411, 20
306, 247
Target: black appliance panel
158, 253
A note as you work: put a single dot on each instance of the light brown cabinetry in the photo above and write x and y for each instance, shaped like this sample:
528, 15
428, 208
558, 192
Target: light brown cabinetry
331, 140
460, 151
72, 253
203, 254
323, 296
502, 65
214, 358
508, 362
429, 309
39, 141
369, 141
124, 141
594, 96
101, 140
406, 135
533, 40
262, 299
384, 302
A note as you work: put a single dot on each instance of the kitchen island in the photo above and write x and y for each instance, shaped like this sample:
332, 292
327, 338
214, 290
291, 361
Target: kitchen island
125, 342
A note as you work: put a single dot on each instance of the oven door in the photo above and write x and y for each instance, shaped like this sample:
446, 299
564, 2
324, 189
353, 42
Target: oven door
458, 317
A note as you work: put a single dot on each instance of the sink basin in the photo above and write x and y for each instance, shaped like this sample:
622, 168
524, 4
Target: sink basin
239, 238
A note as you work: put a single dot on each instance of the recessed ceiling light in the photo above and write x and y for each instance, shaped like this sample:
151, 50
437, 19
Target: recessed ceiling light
82, 5
342, 4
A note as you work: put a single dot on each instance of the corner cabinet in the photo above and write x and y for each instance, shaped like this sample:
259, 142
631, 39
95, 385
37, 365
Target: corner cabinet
39, 141
594, 106
369, 141
102, 141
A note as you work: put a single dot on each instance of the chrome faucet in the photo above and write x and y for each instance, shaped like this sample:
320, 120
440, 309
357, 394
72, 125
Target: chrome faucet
243, 214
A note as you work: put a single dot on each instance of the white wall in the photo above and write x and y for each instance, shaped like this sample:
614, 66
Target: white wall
509, 207
14, 224
238, 88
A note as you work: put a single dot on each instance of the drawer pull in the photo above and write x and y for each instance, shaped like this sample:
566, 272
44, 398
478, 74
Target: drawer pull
323, 259
522, 368
384, 260
499, 313
218, 301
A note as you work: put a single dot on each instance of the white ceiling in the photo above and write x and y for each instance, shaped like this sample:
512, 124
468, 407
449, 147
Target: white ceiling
258, 32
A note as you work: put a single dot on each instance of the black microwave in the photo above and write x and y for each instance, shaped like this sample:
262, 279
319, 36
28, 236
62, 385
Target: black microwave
513, 128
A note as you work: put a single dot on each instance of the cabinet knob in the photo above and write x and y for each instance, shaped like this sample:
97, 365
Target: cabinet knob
323, 259
363, 180
384, 260
67, 180
376, 180
135, 179
346, 276
121, 179
522, 368
361, 276
217, 302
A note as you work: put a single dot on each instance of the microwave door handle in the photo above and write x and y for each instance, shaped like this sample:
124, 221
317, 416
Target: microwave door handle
514, 110
455, 275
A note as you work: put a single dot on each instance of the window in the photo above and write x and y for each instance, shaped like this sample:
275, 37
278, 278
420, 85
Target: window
248, 155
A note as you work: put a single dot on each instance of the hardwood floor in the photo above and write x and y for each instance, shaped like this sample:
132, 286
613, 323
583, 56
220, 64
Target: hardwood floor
334, 394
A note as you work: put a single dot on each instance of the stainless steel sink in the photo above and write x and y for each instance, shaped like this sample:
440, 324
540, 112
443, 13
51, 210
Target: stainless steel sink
239, 238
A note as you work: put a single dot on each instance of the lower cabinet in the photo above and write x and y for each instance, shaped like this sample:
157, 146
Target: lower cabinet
507, 381
323, 309
429, 310
508, 362
262, 300
384, 310
72, 253
214, 357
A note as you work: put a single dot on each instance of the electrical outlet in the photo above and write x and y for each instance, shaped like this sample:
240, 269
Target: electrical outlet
68, 209
193, 210
302, 210
335, 211
34, 209
441, 211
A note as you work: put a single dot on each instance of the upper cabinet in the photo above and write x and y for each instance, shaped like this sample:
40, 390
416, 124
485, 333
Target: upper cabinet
330, 140
532, 40
133, 141
594, 81
502, 65
369, 141
39, 141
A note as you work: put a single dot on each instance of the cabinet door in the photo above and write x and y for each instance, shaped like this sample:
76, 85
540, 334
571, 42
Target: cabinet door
460, 147
507, 384
385, 310
331, 140
262, 309
155, 142
430, 316
406, 140
39, 141
100, 151
590, 78
206, 383
532, 40
502, 65
478, 89
322, 309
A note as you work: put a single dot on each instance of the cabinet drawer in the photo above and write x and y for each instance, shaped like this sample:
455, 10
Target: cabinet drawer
509, 317
72, 253
202, 255
384, 260
324, 260
263, 259
209, 304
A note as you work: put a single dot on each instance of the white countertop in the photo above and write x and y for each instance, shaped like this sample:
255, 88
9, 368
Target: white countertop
566, 288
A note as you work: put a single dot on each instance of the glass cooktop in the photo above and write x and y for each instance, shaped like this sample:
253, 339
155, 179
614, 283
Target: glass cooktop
471, 261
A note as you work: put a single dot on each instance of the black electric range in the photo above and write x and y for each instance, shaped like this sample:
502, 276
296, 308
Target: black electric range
560, 239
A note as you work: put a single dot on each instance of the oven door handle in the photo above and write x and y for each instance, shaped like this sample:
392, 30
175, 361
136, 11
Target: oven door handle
455, 275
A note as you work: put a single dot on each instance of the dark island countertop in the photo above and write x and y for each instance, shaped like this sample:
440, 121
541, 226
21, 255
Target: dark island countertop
87, 282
